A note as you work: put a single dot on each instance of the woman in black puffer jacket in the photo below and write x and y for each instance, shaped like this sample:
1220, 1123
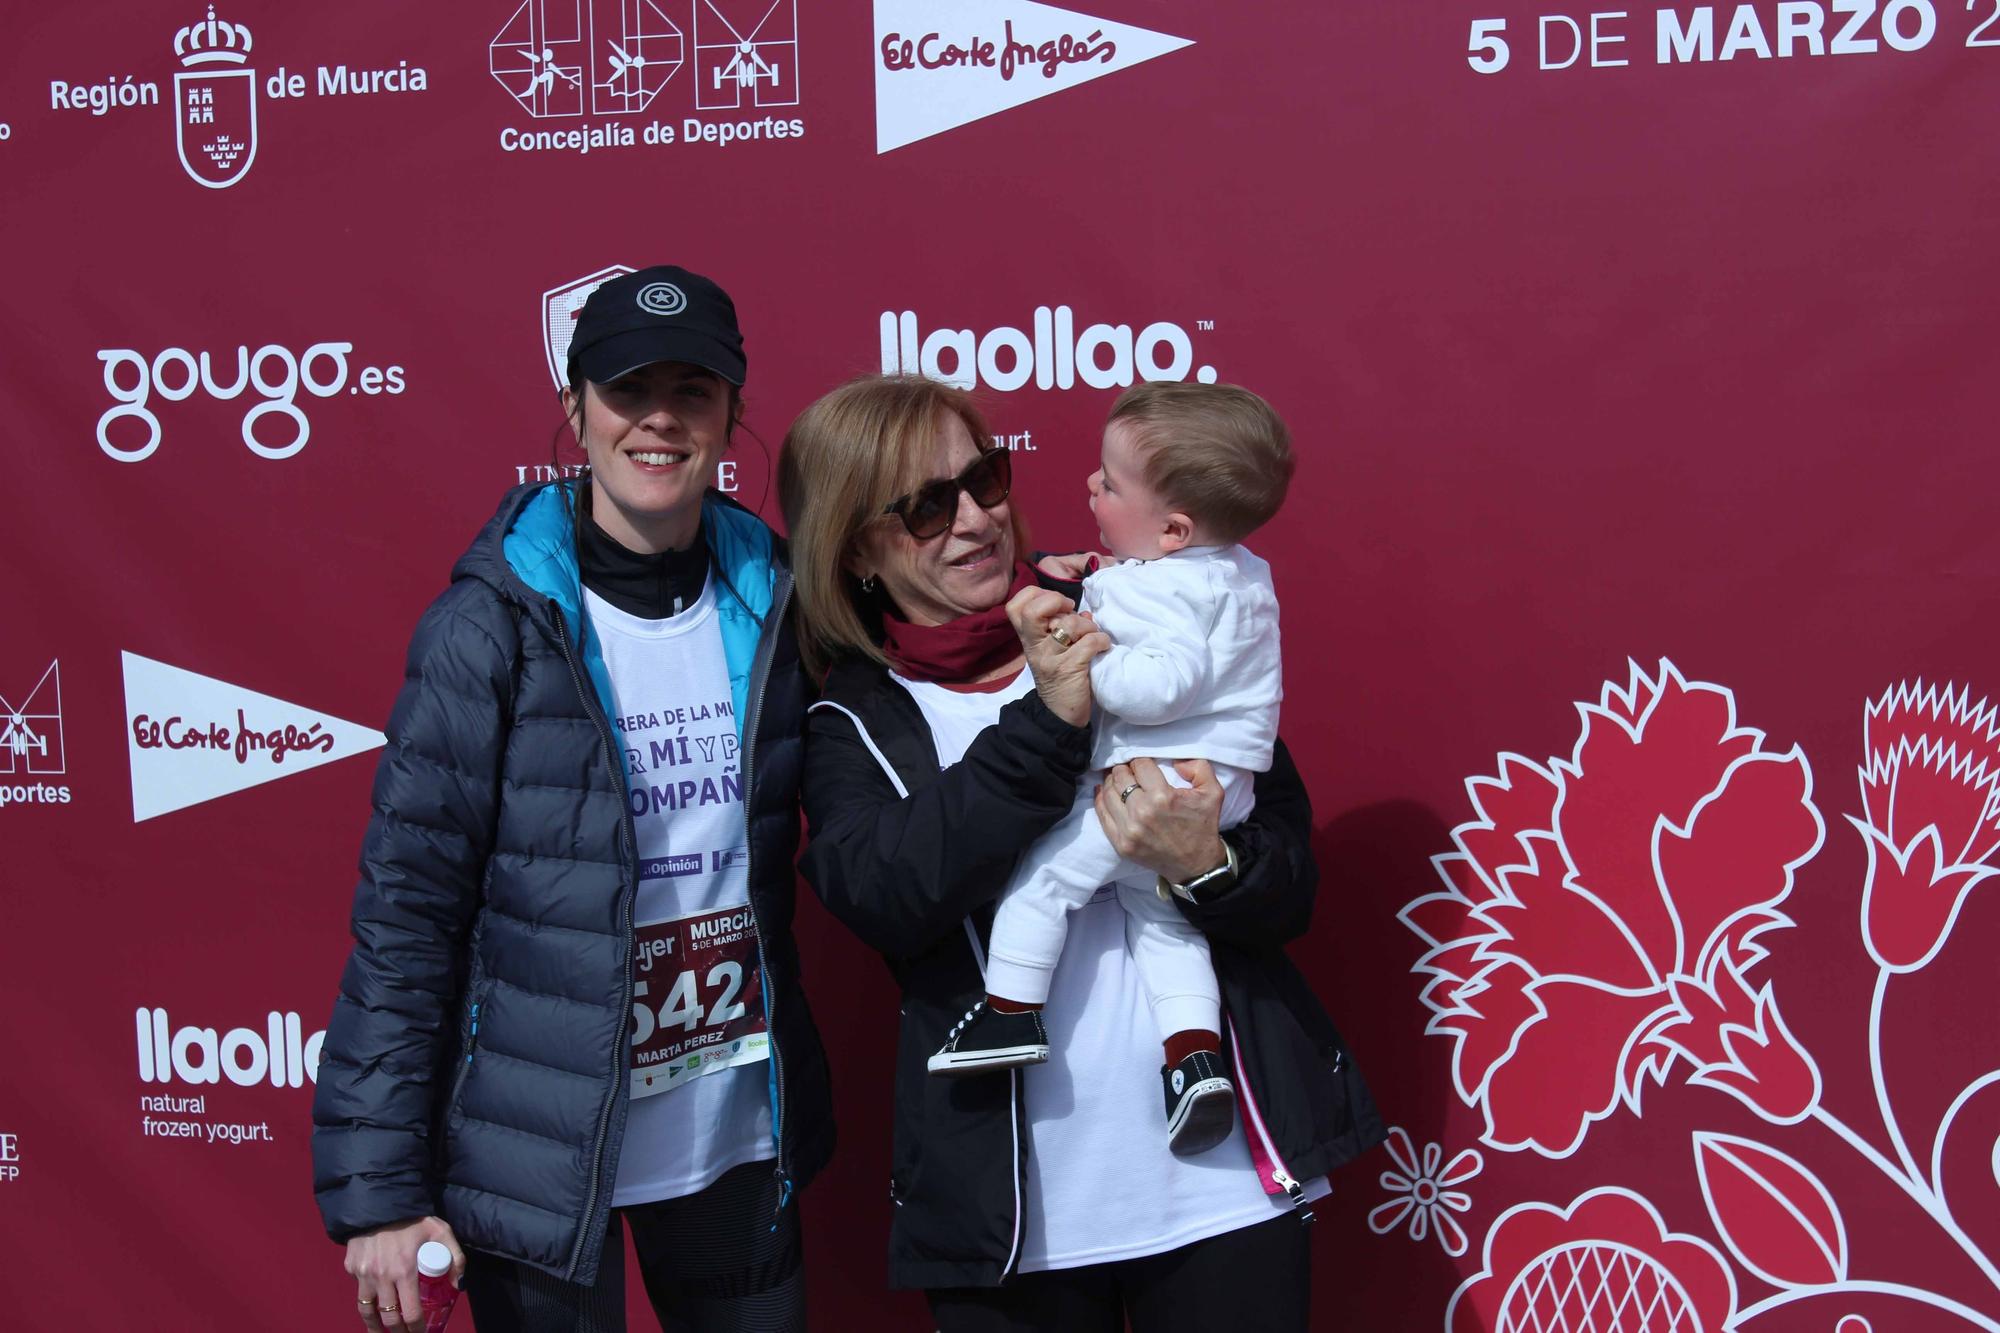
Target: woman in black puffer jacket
573, 1002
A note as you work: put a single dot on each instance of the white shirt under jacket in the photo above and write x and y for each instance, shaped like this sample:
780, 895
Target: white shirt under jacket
670, 679
1101, 1183
1194, 668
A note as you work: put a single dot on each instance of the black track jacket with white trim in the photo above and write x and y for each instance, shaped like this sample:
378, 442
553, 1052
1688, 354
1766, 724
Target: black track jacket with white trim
912, 858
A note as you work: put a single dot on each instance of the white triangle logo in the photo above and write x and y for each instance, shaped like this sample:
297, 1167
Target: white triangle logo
193, 738
941, 66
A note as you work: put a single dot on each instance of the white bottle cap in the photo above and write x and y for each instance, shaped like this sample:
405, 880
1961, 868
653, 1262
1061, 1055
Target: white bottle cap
433, 1259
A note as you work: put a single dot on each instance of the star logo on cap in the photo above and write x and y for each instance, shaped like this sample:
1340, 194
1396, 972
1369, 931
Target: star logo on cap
662, 298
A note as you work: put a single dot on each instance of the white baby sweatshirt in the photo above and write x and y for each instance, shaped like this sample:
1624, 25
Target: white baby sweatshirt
1194, 668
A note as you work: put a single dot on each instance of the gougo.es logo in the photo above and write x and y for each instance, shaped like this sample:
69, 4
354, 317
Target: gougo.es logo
272, 373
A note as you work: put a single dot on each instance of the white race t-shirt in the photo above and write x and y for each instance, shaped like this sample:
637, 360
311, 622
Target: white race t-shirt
700, 1052
1102, 1184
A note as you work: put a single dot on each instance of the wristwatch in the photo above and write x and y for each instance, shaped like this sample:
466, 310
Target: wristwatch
1208, 885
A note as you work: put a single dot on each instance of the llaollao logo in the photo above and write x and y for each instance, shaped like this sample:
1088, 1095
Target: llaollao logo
1052, 352
280, 1053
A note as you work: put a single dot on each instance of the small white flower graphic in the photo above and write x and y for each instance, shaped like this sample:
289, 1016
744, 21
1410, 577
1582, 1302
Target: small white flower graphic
1423, 1194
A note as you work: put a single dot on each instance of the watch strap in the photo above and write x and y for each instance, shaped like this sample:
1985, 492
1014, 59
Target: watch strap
1206, 885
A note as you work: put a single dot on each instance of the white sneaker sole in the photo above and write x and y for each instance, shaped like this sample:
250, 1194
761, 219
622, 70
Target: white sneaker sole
953, 1064
1202, 1117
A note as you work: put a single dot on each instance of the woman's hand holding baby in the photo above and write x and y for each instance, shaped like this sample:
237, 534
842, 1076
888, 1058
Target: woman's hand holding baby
1059, 643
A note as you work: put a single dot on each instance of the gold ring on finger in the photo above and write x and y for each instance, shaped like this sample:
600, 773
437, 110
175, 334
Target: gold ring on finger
1061, 636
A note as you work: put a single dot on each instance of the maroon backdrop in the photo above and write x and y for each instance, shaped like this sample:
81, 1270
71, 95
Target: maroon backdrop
1639, 576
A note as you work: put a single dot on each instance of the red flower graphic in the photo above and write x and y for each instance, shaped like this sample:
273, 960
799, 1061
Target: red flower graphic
1605, 1262
1601, 912
1931, 788
1738, 1042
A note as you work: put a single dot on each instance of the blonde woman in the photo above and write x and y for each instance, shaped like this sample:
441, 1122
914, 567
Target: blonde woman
952, 729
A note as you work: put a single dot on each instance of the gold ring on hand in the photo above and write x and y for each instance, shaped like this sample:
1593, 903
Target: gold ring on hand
1061, 636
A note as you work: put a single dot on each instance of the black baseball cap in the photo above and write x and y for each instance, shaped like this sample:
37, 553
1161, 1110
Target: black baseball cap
663, 313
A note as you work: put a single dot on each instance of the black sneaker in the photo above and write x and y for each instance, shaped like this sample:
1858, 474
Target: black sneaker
988, 1039
1201, 1103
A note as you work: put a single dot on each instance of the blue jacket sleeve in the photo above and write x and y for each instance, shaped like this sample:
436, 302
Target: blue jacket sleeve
435, 801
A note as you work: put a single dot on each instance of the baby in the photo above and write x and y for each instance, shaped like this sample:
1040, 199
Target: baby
1188, 471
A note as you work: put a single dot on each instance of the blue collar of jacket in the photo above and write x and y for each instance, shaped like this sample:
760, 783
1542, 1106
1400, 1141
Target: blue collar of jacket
540, 548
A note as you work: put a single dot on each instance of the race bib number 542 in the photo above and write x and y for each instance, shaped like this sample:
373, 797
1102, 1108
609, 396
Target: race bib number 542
697, 999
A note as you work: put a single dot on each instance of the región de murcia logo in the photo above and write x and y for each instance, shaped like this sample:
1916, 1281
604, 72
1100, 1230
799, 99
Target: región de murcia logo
215, 102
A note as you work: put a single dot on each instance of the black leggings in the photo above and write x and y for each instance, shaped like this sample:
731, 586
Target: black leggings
1257, 1279
713, 1262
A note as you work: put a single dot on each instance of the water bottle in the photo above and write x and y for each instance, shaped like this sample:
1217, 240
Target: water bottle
435, 1294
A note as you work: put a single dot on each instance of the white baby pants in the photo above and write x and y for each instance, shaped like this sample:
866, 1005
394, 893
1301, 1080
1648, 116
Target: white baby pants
1064, 869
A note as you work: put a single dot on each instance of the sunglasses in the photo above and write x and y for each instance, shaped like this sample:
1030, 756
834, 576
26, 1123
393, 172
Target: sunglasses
929, 509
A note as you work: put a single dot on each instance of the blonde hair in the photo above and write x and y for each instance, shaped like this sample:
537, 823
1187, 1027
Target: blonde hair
1215, 452
846, 457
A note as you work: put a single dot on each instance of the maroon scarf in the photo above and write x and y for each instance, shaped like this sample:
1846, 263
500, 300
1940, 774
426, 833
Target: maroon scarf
960, 649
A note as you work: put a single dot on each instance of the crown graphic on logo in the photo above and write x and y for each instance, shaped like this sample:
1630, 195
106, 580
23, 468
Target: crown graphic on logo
224, 151
213, 42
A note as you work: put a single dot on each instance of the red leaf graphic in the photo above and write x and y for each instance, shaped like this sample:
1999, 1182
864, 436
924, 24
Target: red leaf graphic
1774, 1216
